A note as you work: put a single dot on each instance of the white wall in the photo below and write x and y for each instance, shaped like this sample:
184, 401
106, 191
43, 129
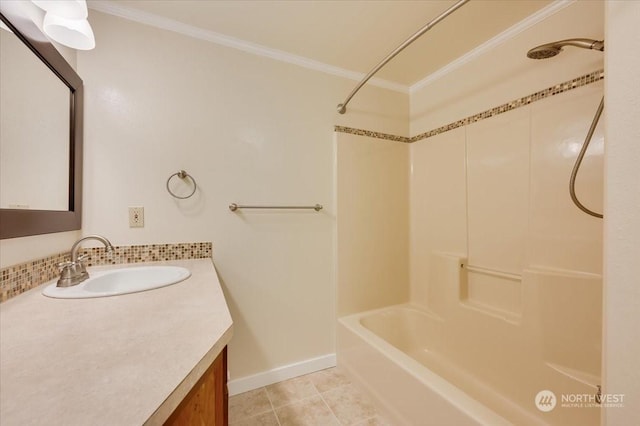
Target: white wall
19, 250
250, 130
622, 212
373, 223
438, 213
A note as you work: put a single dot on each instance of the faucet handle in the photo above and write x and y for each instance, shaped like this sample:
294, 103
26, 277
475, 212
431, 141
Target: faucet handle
71, 273
67, 269
65, 265
81, 263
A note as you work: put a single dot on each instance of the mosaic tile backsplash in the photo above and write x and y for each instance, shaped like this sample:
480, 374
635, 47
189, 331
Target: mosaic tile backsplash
501, 109
17, 279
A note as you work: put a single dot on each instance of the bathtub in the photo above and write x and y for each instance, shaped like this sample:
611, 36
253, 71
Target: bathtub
395, 355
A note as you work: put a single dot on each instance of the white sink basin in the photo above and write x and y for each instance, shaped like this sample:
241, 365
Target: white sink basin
120, 281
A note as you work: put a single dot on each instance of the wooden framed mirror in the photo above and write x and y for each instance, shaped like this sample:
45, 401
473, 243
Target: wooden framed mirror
41, 160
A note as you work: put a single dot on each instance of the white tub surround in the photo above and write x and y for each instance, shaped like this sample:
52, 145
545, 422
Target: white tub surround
407, 391
465, 363
125, 360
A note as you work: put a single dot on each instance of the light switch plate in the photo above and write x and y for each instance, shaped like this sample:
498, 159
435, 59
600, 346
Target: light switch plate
136, 217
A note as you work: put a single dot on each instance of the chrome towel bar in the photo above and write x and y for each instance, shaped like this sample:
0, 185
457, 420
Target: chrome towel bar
234, 207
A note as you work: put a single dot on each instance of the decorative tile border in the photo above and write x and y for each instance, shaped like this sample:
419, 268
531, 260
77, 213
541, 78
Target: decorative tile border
526, 100
17, 279
501, 109
148, 253
369, 133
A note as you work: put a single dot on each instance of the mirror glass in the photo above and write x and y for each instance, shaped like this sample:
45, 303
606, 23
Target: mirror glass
35, 126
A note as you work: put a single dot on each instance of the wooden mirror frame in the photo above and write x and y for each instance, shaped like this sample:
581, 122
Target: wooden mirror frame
18, 222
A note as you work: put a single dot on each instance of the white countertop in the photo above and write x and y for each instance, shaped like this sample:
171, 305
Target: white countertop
120, 360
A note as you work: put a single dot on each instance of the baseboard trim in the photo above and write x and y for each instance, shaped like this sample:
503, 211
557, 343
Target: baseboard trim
279, 374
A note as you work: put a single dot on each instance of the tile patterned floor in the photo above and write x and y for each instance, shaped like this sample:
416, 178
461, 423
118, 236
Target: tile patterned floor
323, 398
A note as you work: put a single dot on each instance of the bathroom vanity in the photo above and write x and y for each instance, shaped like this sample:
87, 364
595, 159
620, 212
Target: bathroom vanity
154, 357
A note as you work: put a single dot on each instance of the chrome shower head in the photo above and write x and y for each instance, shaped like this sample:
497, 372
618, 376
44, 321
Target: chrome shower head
549, 50
543, 52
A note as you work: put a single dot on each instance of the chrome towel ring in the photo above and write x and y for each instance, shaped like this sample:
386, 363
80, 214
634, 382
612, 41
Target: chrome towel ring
182, 175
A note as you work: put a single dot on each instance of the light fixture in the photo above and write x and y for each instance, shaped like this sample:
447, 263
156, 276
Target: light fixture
70, 9
74, 33
66, 22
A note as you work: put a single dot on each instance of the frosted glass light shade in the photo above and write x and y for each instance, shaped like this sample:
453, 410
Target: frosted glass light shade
74, 33
70, 9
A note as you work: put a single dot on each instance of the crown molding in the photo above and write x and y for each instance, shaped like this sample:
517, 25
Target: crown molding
153, 20
111, 8
492, 43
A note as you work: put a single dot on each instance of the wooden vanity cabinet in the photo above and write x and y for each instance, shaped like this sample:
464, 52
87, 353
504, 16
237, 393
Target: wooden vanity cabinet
207, 402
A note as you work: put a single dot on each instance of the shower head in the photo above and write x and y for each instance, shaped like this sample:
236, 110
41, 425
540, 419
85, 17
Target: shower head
549, 50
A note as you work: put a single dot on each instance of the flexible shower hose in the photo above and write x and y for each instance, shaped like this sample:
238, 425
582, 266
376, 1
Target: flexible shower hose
576, 166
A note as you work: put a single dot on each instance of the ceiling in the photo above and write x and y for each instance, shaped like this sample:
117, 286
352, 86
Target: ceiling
351, 34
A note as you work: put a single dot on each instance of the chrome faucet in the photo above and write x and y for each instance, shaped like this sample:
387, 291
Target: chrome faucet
75, 271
